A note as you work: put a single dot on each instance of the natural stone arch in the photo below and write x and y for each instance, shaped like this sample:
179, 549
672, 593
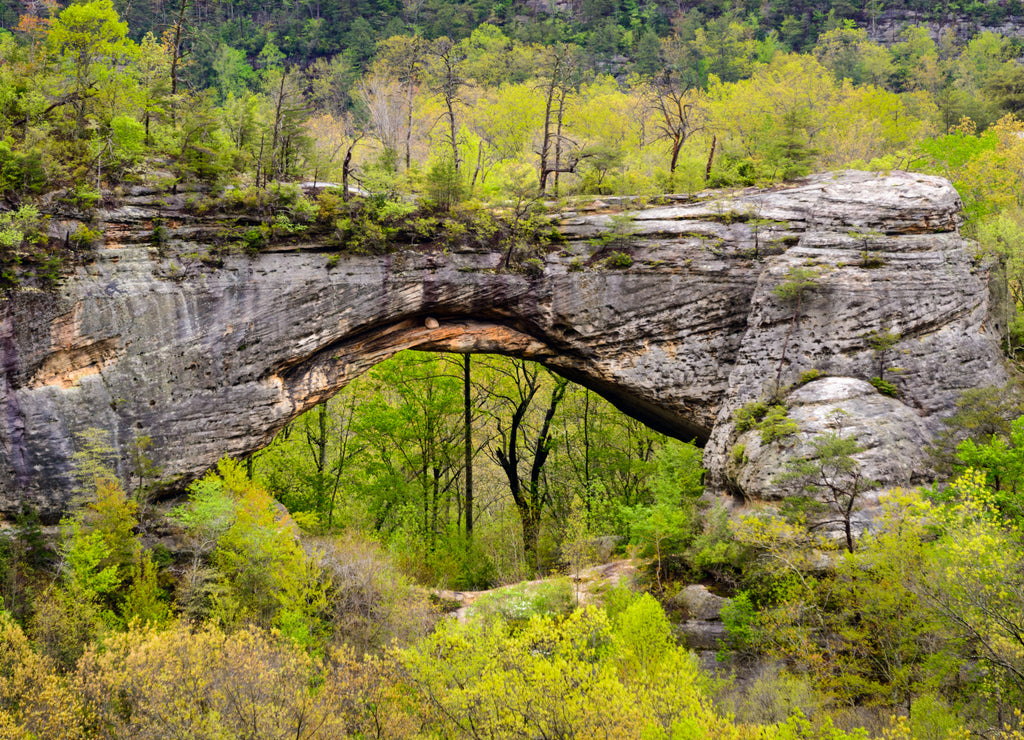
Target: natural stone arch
211, 361
460, 335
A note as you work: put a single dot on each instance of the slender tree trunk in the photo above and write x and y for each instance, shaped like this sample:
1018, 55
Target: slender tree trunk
452, 133
408, 121
434, 505
321, 442
711, 158
785, 342
479, 163
586, 449
467, 410
176, 49
558, 137
346, 169
274, 168
545, 147
531, 537
677, 146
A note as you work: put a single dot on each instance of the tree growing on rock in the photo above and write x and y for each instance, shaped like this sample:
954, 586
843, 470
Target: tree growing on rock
830, 481
791, 291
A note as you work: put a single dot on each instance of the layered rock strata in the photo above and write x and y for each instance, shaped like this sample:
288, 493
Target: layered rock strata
673, 312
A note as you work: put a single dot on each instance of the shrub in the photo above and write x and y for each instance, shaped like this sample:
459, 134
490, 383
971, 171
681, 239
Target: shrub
444, 184
871, 260
84, 238
533, 266
739, 616
749, 415
21, 172
206, 683
369, 603
738, 454
83, 197
248, 566
810, 375
618, 261
776, 424
885, 387
770, 419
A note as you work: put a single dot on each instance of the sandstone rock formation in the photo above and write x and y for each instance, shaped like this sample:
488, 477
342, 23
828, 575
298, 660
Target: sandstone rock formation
701, 628
211, 360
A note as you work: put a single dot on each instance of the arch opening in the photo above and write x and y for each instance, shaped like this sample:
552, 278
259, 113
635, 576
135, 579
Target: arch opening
317, 377
394, 452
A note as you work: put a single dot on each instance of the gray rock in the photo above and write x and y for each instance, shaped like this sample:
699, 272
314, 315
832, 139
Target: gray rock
696, 634
893, 435
212, 360
700, 603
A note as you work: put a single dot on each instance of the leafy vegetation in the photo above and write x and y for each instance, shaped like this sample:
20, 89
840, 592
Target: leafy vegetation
287, 607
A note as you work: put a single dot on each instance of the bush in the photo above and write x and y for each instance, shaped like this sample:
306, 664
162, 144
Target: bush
810, 375
776, 424
369, 604
777, 696
618, 261
21, 172
150, 684
248, 566
84, 238
533, 266
83, 197
739, 616
749, 415
444, 184
885, 387
770, 419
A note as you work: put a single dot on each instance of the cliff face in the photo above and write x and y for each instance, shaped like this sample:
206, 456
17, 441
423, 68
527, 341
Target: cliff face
211, 361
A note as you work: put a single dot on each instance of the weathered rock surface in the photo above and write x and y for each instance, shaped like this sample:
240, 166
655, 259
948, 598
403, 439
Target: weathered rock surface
891, 433
702, 629
213, 360
699, 603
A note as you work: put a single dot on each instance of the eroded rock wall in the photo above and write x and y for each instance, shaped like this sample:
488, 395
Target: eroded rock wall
212, 360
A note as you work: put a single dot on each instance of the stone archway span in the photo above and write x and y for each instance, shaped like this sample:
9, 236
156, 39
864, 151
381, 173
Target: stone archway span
209, 360
321, 375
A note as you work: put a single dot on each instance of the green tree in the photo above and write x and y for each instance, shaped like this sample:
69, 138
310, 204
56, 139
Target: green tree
830, 478
668, 526
521, 457
93, 39
974, 581
679, 111
257, 571
1001, 460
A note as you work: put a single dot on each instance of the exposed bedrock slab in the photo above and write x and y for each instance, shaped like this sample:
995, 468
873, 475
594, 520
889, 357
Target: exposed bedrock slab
212, 361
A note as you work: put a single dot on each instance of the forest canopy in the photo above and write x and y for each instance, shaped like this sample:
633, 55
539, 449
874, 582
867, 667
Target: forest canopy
288, 603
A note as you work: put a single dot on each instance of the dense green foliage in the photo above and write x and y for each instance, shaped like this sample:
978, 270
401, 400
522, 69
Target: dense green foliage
718, 99
306, 31
387, 456
287, 607
90, 107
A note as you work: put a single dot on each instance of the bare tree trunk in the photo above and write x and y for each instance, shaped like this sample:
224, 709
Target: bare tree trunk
277, 128
467, 410
176, 49
545, 148
711, 158
558, 137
